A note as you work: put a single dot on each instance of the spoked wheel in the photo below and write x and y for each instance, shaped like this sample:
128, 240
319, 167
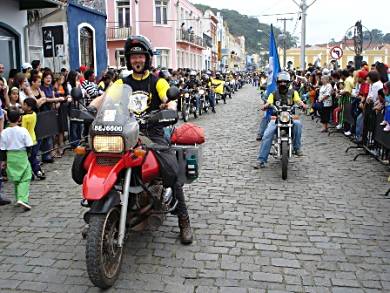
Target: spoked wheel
185, 113
285, 152
103, 256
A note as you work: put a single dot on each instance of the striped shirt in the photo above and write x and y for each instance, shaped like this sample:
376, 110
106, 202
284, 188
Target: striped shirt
91, 91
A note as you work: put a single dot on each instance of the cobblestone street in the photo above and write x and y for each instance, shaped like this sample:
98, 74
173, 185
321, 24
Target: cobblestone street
325, 229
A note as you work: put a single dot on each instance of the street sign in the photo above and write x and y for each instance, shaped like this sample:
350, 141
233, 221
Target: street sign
336, 52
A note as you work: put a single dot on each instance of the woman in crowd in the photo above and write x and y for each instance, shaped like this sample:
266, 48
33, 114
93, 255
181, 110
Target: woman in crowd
21, 82
76, 128
48, 90
325, 97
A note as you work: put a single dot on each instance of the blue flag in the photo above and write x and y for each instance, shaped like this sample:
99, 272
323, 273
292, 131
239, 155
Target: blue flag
274, 66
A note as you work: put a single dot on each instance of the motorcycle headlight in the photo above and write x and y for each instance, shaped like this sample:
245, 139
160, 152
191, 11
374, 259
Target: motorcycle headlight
108, 144
284, 117
186, 95
201, 92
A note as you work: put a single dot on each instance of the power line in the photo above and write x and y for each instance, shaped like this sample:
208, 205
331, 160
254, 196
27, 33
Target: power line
275, 14
171, 20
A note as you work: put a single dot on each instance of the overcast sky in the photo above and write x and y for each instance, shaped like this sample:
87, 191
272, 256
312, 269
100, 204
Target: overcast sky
326, 19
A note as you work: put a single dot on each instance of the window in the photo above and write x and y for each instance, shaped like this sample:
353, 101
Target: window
123, 13
163, 58
120, 58
161, 11
86, 47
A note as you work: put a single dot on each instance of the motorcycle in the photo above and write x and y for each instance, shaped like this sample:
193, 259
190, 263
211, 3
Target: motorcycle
120, 175
204, 100
283, 141
188, 104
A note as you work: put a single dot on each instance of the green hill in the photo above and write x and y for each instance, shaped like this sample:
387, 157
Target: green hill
243, 25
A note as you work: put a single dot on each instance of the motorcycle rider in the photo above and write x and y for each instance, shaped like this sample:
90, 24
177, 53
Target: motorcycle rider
285, 96
193, 83
139, 54
218, 84
206, 82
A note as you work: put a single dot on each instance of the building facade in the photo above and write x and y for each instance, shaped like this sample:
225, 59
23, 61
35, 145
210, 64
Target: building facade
174, 28
321, 55
69, 36
13, 27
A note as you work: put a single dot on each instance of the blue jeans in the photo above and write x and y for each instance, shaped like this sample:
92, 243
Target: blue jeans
359, 127
46, 144
33, 158
76, 129
269, 135
264, 122
197, 97
212, 99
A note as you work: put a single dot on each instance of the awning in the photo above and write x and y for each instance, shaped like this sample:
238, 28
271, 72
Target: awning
39, 4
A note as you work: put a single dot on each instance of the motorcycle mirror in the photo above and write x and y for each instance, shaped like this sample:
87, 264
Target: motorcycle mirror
173, 93
76, 93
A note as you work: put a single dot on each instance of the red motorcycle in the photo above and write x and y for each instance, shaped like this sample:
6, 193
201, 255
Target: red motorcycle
121, 178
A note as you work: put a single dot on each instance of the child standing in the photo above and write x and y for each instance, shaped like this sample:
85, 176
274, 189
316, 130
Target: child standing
13, 145
29, 120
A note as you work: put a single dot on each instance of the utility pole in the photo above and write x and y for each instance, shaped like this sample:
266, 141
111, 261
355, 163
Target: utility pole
303, 11
284, 39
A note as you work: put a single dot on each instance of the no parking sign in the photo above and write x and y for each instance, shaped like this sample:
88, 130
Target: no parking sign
336, 52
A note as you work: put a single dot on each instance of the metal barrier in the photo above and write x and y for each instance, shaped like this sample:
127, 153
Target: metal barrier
47, 124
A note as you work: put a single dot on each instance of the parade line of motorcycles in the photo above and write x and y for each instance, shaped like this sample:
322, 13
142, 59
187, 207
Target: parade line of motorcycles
198, 92
120, 170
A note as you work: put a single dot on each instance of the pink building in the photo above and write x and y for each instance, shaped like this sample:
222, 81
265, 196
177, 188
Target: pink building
173, 26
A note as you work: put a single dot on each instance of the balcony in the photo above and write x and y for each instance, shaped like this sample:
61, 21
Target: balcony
118, 33
190, 38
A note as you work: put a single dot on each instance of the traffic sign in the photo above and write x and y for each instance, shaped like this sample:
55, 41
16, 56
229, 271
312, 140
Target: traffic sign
336, 52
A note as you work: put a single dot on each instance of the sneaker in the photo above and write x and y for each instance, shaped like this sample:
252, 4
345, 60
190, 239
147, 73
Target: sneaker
23, 205
298, 153
39, 174
259, 165
213, 110
347, 133
387, 128
383, 123
4, 201
338, 127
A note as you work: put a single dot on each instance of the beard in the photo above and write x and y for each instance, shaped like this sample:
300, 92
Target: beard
138, 67
283, 88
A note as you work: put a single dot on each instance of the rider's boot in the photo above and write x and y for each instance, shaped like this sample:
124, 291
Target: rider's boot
185, 230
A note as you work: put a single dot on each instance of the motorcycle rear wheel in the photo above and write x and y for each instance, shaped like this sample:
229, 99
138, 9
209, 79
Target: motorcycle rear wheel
103, 256
285, 152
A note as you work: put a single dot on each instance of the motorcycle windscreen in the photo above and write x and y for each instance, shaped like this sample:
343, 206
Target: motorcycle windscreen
116, 116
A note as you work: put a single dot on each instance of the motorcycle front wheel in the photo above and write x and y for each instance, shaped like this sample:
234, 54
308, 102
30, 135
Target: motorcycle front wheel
103, 256
185, 113
285, 152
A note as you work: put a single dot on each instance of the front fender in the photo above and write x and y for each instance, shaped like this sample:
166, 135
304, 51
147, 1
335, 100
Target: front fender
112, 199
101, 178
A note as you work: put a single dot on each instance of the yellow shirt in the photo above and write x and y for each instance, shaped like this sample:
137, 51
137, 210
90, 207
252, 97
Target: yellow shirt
29, 121
349, 84
162, 85
296, 98
220, 87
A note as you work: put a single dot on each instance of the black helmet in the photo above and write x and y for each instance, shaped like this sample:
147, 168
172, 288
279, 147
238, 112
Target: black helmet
138, 45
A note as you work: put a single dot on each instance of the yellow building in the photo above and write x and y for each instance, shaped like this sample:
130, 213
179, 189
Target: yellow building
321, 54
